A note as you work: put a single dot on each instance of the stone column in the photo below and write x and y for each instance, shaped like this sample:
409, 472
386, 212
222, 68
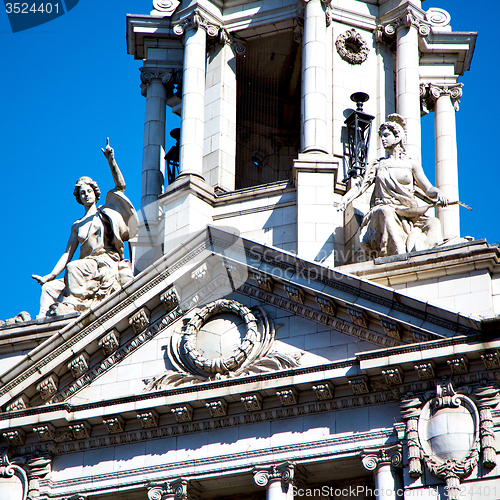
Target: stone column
446, 103
407, 29
195, 30
383, 461
278, 480
313, 98
153, 152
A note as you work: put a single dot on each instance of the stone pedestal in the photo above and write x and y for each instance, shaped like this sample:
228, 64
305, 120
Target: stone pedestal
314, 102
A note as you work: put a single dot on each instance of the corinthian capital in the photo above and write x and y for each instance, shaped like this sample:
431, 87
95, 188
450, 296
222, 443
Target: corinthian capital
197, 20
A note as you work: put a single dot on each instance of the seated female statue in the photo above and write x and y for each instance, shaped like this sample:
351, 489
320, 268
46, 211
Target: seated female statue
101, 268
396, 222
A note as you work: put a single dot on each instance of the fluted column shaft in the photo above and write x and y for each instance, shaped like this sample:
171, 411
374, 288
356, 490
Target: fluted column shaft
446, 163
193, 101
153, 152
407, 86
313, 102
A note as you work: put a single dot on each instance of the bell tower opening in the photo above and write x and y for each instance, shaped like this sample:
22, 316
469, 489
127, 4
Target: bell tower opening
268, 109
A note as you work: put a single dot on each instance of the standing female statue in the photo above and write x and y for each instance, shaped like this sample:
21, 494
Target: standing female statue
101, 268
396, 222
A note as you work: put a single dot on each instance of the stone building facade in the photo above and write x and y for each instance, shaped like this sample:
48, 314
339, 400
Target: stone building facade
257, 353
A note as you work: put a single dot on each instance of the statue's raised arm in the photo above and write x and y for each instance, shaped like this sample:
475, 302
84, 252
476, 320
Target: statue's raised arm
109, 153
101, 268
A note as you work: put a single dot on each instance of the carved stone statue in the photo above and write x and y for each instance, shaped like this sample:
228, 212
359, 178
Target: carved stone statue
396, 222
101, 268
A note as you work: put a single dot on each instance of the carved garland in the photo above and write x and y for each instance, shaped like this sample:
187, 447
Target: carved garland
351, 47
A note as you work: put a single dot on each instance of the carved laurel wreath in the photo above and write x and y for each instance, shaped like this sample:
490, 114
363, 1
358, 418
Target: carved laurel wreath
351, 47
238, 356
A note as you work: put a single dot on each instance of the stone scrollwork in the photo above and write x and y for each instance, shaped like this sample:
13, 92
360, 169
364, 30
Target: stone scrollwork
385, 32
352, 47
165, 8
438, 17
177, 489
195, 21
372, 458
431, 92
238, 354
284, 472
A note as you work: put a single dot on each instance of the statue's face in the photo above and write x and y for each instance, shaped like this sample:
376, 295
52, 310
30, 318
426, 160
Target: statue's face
87, 195
389, 140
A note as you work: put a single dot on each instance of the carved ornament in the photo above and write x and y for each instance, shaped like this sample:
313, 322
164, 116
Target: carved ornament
352, 47
431, 92
326, 305
183, 413
114, 424
386, 32
79, 365
80, 430
217, 408
176, 489
170, 299
323, 391
425, 370
45, 432
288, 396
148, 419
284, 472
359, 385
110, 342
393, 375
140, 320
252, 402
21, 403
372, 458
491, 360
48, 386
165, 8
196, 20
294, 293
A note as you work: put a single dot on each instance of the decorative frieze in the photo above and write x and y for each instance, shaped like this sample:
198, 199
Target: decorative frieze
183, 413
80, 430
48, 386
357, 317
491, 360
359, 385
326, 305
252, 402
391, 329
110, 342
79, 365
458, 365
288, 396
148, 419
425, 370
170, 299
393, 375
217, 408
324, 390
140, 320
201, 275
15, 437
114, 424
264, 281
294, 293
20, 403
45, 432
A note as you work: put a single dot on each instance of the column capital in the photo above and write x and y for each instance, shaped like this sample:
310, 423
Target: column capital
431, 92
172, 490
169, 77
197, 20
299, 17
284, 472
386, 31
371, 458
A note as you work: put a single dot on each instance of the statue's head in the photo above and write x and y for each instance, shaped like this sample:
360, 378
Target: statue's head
397, 125
88, 181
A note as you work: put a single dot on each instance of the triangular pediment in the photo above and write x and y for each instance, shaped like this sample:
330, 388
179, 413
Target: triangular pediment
290, 316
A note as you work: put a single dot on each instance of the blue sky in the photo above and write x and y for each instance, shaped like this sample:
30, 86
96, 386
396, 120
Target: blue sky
67, 85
